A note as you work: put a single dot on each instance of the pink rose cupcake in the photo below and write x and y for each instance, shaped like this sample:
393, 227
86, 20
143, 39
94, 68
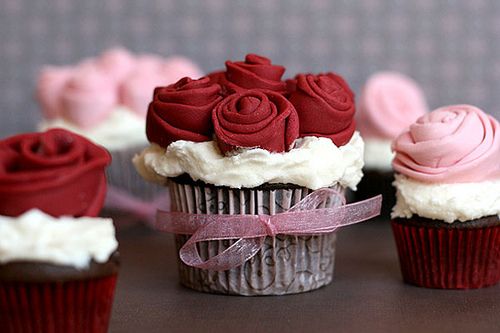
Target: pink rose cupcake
106, 99
244, 152
389, 103
446, 218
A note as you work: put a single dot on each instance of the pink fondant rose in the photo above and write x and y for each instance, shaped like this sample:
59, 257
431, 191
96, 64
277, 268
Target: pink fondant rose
452, 144
256, 72
389, 103
325, 105
255, 118
182, 111
88, 96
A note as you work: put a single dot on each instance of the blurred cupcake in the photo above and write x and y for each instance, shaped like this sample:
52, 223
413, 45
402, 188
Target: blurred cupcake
56, 274
105, 99
446, 219
251, 153
388, 104
58, 172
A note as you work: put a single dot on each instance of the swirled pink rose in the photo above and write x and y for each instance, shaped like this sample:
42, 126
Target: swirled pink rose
50, 83
389, 103
453, 144
255, 118
88, 96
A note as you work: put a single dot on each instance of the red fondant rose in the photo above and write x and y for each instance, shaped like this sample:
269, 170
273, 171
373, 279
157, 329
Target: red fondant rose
256, 72
182, 111
325, 105
57, 171
255, 118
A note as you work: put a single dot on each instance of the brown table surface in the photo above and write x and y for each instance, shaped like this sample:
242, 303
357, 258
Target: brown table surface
367, 295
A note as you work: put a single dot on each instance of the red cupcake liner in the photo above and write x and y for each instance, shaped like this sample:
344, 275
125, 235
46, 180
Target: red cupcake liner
448, 258
57, 307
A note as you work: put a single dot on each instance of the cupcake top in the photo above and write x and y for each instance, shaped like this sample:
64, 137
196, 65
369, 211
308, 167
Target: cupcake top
57, 171
242, 128
37, 237
449, 165
106, 98
388, 104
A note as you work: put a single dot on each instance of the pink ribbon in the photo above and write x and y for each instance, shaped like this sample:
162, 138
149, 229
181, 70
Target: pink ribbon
251, 230
137, 209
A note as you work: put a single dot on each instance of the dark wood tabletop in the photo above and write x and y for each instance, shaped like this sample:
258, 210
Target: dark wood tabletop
367, 295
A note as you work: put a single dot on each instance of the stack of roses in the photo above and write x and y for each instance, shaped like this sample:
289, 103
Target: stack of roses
249, 106
87, 93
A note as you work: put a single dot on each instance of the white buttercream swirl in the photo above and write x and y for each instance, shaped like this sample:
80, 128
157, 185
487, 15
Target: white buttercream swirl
36, 236
448, 202
315, 162
378, 154
122, 129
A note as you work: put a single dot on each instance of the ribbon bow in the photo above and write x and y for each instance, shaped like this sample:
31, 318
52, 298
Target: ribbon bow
251, 230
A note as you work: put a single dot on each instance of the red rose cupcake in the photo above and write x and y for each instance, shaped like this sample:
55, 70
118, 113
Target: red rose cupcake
56, 274
252, 153
446, 218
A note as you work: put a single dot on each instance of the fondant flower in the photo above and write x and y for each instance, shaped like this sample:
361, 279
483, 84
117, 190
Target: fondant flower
88, 96
57, 171
325, 105
182, 111
51, 82
256, 72
255, 118
453, 144
117, 63
389, 103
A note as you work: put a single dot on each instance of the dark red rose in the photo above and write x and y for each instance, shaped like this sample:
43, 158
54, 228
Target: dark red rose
256, 72
325, 105
57, 171
255, 118
182, 111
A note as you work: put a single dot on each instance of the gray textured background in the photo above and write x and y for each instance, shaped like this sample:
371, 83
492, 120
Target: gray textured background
451, 47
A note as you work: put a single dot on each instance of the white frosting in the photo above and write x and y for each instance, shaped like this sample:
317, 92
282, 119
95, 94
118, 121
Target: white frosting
36, 236
447, 202
313, 163
378, 154
122, 129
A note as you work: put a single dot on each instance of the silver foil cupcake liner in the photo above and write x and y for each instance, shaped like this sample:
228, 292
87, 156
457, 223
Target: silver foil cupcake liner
284, 265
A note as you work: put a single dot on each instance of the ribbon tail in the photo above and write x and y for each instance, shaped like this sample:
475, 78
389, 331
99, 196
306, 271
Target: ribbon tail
234, 256
123, 201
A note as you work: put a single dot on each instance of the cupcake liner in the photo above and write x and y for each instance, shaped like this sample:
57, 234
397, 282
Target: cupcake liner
57, 307
448, 258
284, 265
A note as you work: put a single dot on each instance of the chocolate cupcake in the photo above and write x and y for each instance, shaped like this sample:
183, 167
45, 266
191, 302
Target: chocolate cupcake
388, 104
446, 219
253, 153
56, 274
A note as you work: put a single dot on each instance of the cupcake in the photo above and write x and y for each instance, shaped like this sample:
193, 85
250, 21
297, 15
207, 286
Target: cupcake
56, 274
106, 99
58, 172
229, 152
388, 104
446, 218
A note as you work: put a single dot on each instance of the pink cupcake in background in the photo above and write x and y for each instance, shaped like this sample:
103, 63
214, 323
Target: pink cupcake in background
388, 104
106, 99
446, 219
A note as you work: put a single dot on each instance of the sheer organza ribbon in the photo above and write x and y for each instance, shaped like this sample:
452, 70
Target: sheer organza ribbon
305, 218
136, 208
